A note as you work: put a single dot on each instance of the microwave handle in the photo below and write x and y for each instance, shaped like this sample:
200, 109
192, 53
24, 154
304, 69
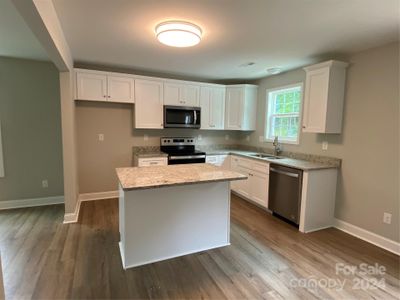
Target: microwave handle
195, 117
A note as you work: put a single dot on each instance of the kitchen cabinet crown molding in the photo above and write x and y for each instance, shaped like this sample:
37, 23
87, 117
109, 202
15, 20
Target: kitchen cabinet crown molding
329, 63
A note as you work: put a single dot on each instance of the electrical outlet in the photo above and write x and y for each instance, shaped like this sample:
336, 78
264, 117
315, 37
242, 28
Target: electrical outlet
199, 137
248, 138
101, 137
325, 145
45, 184
261, 139
387, 218
146, 137
226, 137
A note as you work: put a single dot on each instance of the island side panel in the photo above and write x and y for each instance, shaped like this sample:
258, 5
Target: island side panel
121, 214
163, 223
318, 200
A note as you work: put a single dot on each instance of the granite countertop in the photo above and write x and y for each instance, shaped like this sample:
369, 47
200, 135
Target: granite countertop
163, 176
285, 161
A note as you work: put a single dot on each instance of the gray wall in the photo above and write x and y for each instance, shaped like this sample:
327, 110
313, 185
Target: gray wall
98, 160
31, 129
369, 144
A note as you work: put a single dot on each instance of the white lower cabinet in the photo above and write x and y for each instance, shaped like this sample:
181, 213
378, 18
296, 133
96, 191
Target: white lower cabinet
259, 187
151, 161
255, 187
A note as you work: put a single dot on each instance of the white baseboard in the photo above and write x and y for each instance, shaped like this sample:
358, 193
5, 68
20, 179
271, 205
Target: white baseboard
98, 196
74, 217
20, 203
368, 236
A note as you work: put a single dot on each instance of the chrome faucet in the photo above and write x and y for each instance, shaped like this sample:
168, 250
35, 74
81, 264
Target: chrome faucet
277, 146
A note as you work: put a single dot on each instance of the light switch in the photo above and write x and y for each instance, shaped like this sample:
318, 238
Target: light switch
227, 137
146, 137
101, 137
325, 145
199, 137
387, 218
45, 184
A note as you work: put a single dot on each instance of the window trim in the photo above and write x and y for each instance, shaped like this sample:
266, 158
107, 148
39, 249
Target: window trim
267, 116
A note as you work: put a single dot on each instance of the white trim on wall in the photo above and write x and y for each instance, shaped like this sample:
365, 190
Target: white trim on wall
1, 156
98, 196
368, 236
20, 203
74, 217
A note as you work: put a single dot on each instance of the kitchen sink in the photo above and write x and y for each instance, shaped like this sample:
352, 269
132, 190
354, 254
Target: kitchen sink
267, 156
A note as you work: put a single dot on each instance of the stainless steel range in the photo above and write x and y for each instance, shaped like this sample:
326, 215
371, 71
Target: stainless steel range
182, 150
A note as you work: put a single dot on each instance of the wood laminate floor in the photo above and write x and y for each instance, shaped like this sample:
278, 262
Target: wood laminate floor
44, 259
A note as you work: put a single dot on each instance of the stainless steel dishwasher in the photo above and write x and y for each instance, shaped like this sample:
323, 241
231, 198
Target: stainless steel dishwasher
285, 192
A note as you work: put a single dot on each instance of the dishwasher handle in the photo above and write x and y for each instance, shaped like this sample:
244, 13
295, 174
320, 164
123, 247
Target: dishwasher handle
295, 175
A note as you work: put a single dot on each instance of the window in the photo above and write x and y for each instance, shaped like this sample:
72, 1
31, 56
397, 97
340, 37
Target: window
283, 113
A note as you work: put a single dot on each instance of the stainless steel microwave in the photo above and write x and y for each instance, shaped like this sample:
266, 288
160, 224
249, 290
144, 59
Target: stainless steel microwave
181, 117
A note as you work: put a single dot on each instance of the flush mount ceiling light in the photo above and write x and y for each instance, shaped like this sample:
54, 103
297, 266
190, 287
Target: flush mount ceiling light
178, 34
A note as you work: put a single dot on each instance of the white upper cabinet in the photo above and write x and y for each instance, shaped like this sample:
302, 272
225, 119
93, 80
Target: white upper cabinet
103, 86
212, 103
324, 97
181, 94
121, 89
172, 94
149, 104
91, 86
241, 107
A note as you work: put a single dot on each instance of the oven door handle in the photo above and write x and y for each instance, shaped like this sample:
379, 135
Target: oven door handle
186, 157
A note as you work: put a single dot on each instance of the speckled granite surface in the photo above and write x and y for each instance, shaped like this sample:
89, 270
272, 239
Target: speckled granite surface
291, 159
162, 176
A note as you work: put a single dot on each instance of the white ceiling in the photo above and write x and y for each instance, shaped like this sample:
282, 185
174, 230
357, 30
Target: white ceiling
16, 39
286, 33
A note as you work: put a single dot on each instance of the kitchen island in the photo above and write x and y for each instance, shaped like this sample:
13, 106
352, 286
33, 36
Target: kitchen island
174, 210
